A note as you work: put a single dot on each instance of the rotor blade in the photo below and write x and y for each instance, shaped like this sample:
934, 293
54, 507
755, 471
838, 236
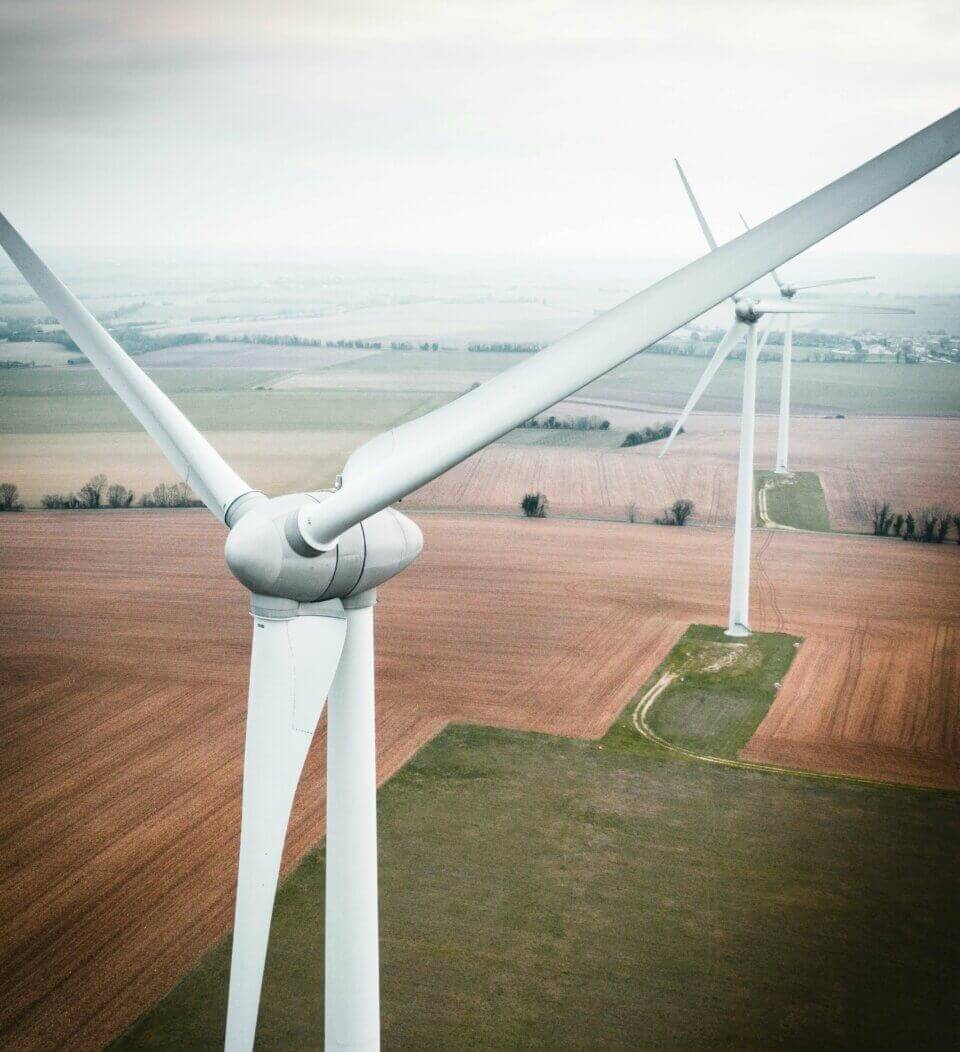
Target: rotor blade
830, 281
190, 454
701, 218
399, 461
292, 665
766, 326
773, 273
730, 340
806, 307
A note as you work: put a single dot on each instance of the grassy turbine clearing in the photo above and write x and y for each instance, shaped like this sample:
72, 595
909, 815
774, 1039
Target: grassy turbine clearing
795, 501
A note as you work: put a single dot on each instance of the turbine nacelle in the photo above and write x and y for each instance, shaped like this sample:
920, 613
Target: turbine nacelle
267, 555
748, 311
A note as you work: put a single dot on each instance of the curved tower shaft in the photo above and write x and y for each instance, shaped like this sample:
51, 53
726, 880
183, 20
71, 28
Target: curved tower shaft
739, 620
352, 974
783, 431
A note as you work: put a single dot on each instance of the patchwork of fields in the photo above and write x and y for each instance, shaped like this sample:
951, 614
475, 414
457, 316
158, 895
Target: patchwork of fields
852, 457
290, 426
125, 642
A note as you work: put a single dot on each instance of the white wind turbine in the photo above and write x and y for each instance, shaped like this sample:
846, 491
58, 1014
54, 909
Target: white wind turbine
748, 311
312, 561
788, 291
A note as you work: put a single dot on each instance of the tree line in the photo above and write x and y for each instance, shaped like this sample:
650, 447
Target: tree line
130, 337
648, 434
505, 348
928, 526
567, 423
534, 506
273, 340
97, 492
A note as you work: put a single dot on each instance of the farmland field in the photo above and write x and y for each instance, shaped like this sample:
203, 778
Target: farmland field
311, 397
237, 410
854, 459
273, 461
45, 354
453, 324
124, 643
580, 477
817, 387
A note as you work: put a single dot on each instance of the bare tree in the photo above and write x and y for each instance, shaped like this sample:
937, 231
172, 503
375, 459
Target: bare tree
882, 519
929, 526
9, 497
534, 506
91, 493
677, 514
681, 511
60, 500
119, 496
170, 495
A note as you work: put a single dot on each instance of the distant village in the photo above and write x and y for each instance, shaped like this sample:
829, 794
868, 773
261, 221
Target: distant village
865, 346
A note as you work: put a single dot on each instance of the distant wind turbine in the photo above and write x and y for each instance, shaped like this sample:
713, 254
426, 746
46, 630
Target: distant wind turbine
748, 312
312, 561
788, 292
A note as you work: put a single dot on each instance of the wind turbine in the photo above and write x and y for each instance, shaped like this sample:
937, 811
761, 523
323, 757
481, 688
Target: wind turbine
312, 562
748, 312
788, 291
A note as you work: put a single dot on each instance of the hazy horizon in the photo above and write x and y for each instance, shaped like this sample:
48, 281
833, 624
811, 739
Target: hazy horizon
545, 131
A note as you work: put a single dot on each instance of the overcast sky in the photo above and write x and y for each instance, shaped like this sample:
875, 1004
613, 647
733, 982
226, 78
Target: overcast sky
529, 129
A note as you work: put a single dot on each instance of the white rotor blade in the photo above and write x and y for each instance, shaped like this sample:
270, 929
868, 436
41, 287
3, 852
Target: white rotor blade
765, 326
292, 666
730, 340
400, 461
830, 281
701, 218
806, 307
190, 454
773, 273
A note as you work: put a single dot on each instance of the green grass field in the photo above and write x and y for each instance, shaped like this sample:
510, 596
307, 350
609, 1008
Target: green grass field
721, 689
795, 500
84, 381
548, 893
818, 387
215, 403
64, 400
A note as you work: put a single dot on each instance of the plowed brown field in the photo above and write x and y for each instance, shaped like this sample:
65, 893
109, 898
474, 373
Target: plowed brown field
910, 462
124, 648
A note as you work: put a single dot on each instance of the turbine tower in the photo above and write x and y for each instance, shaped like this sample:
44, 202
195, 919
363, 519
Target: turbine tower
312, 562
748, 313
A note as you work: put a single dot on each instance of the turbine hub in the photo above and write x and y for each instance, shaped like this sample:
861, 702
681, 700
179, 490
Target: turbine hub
266, 554
746, 311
